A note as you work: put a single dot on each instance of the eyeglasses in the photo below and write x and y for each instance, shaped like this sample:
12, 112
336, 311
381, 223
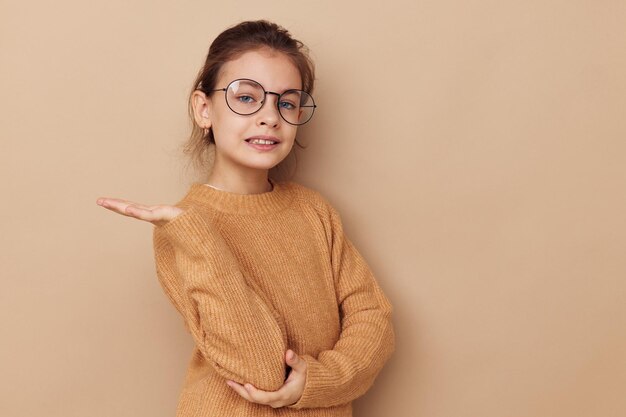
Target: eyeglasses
245, 97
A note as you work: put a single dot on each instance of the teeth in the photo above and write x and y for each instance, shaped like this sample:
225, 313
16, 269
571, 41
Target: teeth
262, 141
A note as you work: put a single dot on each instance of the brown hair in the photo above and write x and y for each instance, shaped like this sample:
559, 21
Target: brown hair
230, 44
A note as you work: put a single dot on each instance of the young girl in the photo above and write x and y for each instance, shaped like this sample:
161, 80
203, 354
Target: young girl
286, 315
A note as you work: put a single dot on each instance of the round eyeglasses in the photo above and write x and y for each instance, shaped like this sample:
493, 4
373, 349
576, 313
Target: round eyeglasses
245, 97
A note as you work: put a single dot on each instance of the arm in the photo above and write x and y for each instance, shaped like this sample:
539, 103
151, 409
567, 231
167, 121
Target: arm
367, 338
233, 326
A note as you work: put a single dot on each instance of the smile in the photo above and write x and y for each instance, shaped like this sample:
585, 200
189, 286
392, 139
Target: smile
261, 141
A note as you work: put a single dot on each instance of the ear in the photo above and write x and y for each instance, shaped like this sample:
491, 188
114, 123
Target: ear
201, 108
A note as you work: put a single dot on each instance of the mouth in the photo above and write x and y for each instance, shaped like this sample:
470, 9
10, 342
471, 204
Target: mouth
263, 140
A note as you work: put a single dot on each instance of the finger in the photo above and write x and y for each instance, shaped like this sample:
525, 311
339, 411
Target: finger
122, 207
239, 389
295, 361
274, 399
109, 201
138, 211
114, 203
149, 214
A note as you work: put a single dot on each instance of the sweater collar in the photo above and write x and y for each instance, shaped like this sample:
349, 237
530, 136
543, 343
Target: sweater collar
263, 203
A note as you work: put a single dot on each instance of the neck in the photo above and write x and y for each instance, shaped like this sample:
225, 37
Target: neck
251, 182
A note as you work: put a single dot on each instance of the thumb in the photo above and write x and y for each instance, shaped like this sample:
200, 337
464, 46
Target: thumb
294, 360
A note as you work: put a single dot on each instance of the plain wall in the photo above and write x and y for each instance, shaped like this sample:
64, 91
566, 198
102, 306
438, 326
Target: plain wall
475, 150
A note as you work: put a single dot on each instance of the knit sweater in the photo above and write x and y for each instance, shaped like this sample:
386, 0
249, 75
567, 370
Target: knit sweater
254, 275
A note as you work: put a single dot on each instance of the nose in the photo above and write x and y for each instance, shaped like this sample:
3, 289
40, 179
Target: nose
269, 114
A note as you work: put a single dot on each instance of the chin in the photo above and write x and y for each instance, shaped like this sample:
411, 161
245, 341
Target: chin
264, 165
266, 161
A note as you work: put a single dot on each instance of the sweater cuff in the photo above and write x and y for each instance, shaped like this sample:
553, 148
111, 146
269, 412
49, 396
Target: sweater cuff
317, 385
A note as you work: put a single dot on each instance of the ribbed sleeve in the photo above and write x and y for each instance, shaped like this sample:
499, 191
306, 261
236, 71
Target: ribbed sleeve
367, 339
255, 274
231, 321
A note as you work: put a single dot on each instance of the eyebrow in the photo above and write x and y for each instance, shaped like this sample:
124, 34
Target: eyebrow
248, 81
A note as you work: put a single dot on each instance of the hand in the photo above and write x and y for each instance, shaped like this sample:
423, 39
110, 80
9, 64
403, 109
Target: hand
157, 215
288, 394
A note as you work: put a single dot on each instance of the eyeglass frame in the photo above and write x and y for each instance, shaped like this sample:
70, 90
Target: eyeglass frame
225, 90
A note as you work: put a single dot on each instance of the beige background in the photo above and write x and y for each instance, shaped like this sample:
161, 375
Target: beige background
475, 149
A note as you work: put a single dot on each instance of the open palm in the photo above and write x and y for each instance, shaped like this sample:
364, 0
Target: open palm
157, 215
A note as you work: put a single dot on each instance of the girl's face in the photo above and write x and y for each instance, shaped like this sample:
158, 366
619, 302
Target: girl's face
234, 133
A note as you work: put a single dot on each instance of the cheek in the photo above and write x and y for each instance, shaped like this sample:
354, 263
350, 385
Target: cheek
227, 124
289, 141
290, 133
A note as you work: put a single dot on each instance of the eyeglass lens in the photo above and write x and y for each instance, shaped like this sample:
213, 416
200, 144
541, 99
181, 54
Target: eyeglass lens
246, 97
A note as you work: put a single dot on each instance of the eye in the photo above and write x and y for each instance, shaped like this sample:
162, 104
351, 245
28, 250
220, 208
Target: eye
286, 105
246, 99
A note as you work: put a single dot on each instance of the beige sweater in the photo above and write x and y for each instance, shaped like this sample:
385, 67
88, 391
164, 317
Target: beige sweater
254, 275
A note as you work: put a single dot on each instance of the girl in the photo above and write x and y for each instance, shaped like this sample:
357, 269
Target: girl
286, 315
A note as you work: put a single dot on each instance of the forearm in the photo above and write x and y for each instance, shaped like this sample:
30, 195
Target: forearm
232, 322
347, 371
367, 339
